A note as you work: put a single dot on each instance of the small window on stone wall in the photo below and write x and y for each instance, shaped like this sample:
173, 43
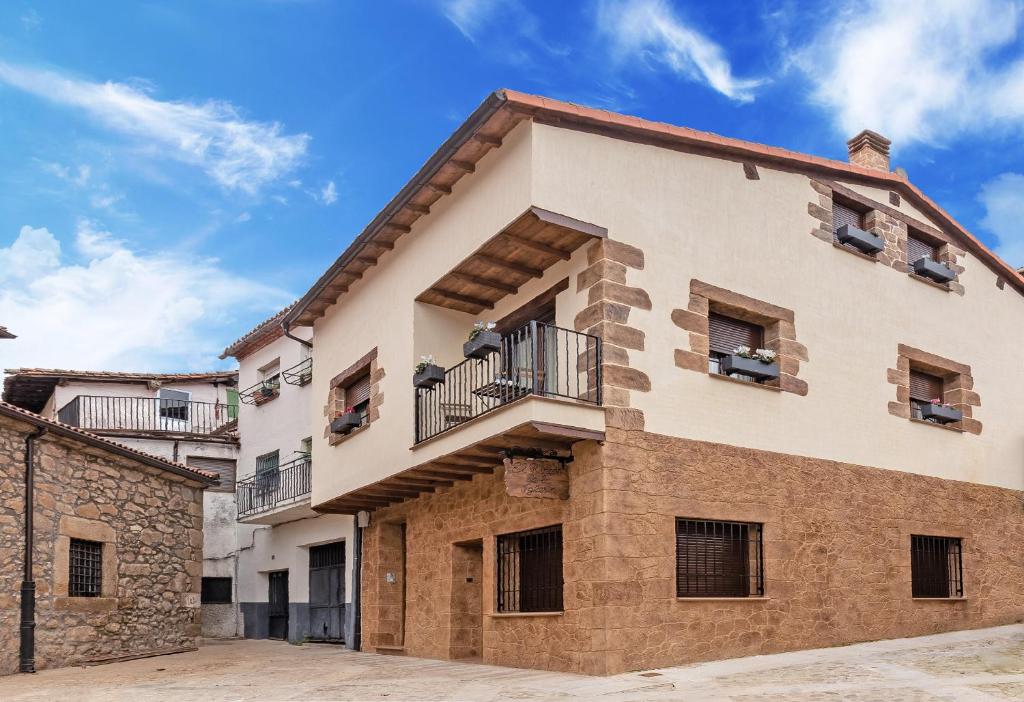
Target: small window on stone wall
925, 389
936, 566
530, 570
918, 248
843, 215
718, 559
85, 577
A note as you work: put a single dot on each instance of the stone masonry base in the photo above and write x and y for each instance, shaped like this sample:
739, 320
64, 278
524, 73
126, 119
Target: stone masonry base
836, 559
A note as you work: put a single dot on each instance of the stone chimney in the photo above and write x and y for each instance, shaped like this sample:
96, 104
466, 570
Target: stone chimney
869, 150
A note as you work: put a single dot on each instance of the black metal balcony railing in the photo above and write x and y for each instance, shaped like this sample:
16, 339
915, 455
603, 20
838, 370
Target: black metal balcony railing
269, 488
262, 392
537, 359
147, 414
300, 374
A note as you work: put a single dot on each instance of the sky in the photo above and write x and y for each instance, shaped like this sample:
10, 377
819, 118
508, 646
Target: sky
173, 173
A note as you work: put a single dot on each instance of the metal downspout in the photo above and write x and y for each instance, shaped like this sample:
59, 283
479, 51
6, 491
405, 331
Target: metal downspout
27, 650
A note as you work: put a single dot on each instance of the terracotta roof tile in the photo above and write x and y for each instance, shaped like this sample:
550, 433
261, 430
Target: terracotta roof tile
262, 334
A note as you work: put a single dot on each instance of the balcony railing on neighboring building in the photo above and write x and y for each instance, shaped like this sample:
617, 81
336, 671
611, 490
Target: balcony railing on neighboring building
299, 374
272, 486
147, 414
537, 359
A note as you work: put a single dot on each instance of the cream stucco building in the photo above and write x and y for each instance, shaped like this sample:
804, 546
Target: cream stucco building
612, 482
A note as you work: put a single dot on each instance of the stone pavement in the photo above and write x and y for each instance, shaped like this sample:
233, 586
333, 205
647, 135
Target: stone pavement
972, 666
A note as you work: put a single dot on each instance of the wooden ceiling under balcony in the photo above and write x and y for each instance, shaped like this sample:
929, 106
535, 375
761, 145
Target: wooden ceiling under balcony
482, 458
531, 244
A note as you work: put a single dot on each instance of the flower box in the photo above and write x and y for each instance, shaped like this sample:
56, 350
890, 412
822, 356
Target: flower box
345, 422
305, 378
753, 367
482, 345
264, 394
430, 376
933, 270
943, 414
863, 241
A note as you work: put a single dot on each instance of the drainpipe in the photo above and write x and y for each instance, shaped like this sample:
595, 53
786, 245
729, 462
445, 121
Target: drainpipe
285, 326
27, 651
357, 581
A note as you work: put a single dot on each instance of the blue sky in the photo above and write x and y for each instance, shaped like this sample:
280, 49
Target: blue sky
173, 173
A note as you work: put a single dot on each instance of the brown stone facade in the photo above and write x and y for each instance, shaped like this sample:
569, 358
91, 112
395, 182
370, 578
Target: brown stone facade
149, 523
958, 386
779, 326
836, 559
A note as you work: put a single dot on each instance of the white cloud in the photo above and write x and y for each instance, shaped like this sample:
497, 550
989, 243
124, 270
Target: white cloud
243, 217
236, 153
650, 30
919, 70
506, 29
79, 175
118, 308
1003, 199
329, 194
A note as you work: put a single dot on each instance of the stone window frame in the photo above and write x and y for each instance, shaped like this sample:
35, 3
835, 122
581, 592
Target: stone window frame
336, 402
958, 387
891, 225
71, 527
779, 333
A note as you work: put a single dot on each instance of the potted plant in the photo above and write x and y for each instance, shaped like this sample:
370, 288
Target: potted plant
933, 270
939, 411
345, 421
427, 374
759, 364
265, 393
863, 241
483, 341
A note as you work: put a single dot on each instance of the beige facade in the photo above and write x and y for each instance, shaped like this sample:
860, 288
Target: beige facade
678, 225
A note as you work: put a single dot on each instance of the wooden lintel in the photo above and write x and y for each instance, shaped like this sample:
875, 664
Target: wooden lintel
484, 282
437, 188
538, 246
568, 432
509, 265
487, 139
418, 209
463, 166
458, 297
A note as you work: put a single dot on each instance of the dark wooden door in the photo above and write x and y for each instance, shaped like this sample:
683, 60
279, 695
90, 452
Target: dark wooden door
327, 592
277, 627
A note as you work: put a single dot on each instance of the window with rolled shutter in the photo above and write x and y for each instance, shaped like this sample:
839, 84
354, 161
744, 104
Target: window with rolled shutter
841, 214
718, 559
924, 386
727, 333
918, 249
357, 396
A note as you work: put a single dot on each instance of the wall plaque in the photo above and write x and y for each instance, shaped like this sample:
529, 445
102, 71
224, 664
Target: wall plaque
536, 477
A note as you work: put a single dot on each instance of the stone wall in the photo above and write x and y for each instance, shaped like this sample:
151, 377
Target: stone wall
150, 523
836, 547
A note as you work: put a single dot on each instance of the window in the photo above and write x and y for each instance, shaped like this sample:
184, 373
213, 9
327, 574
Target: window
918, 248
530, 570
85, 578
357, 396
267, 473
224, 468
726, 334
843, 215
174, 404
718, 559
216, 591
270, 374
306, 446
924, 388
936, 566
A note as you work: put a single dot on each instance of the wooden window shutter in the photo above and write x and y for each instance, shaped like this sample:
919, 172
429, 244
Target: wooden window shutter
924, 386
841, 214
223, 467
358, 392
712, 559
727, 333
918, 249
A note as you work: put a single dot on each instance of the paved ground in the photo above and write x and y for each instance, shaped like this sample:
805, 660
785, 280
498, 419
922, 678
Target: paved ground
963, 667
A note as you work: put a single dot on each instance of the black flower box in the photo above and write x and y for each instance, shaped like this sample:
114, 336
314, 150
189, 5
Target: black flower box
428, 377
345, 422
482, 345
749, 366
940, 413
933, 270
863, 241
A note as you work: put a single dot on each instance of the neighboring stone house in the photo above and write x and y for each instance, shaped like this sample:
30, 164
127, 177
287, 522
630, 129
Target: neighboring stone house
188, 418
294, 572
117, 547
610, 481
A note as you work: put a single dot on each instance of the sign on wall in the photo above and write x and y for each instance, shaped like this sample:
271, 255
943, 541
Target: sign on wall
536, 477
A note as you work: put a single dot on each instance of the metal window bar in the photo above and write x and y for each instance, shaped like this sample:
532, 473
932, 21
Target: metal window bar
85, 577
146, 414
936, 567
271, 486
536, 359
719, 559
530, 570
300, 374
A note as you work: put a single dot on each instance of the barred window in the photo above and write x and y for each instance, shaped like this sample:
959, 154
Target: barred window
530, 570
718, 559
936, 566
216, 591
85, 578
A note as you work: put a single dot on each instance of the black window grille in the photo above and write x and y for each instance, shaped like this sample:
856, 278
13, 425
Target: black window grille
530, 570
936, 566
216, 591
327, 555
85, 578
718, 559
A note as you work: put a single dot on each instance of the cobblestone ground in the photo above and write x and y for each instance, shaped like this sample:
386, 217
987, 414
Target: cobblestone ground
969, 666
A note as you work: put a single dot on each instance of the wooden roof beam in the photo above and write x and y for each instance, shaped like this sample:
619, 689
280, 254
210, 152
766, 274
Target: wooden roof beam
458, 297
437, 188
508, 265
419, 482
464, 166
484, 282
475, 467
444, 474
537, 246
404, 228
487, 139
418, 209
